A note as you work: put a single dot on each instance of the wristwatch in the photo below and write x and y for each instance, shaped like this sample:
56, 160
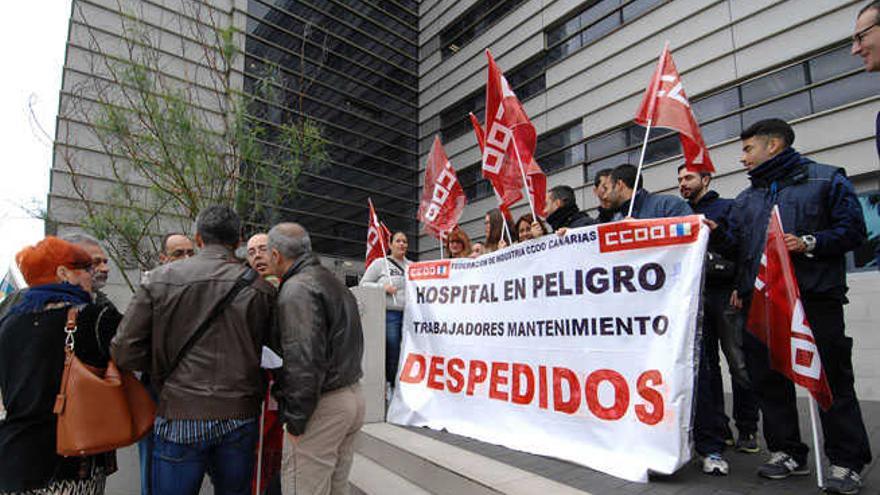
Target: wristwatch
809, 242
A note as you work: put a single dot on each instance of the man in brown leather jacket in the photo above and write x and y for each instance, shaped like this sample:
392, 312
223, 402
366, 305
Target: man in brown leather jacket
320, 334
209, 403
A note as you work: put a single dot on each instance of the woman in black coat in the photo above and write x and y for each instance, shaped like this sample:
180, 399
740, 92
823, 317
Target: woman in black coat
32, 340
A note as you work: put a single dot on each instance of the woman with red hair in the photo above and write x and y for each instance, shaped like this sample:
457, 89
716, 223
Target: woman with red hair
32, 342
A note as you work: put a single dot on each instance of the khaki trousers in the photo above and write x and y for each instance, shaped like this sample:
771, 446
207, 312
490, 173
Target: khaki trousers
319, 461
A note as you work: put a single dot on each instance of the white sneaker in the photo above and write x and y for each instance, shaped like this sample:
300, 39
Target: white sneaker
715, 465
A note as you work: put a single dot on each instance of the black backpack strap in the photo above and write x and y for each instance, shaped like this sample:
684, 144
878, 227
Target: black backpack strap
245, 280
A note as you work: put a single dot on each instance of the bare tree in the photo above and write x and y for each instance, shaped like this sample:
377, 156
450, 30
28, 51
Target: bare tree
178, 136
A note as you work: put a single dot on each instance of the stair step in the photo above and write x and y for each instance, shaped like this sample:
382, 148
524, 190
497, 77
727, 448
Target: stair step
445, 469
373, 479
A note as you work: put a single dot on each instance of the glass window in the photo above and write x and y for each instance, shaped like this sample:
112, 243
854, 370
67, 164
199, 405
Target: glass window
608, 162
833, 63
472, 23
600, 29
867, 256
716, 105
663, 148
788, 108
564, 31
852, 88
637, 8
774, 84
597, 10
720, 130
606, 144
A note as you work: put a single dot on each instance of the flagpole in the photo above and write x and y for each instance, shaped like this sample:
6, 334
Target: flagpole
506, 230
522, 171
632, 200
814, 426
384, 253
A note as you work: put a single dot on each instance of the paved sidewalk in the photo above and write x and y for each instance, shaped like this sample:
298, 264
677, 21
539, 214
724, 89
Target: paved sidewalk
689, 479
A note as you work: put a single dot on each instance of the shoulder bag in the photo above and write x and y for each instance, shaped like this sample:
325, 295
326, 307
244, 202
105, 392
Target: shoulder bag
98, 410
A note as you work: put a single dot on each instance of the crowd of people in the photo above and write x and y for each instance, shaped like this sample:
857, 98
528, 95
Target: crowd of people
201, 324
198, 330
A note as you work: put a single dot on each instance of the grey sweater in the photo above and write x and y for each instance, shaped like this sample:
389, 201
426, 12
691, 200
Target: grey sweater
377, 276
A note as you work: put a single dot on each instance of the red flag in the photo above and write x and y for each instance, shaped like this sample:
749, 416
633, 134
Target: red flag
777, 318
376, 237
666, 105
443, 198
481, 140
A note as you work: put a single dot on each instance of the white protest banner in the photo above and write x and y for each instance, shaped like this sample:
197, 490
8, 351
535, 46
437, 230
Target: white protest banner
580, 347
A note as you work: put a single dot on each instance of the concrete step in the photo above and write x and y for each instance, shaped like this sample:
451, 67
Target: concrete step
444, 469
372, 479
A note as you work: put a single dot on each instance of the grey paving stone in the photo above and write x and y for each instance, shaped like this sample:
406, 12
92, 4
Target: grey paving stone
689, 479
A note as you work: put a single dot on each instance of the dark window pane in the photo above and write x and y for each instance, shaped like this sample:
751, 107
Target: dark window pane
663, 148
774, 84
786, 109
719, 130
833, 64
718, 104
600, 29
472, 23
852, 88
598, 9
609, 162
564, 31
635, 9
607, 144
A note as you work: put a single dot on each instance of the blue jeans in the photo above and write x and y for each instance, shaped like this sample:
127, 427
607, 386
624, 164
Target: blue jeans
393, 325
145, 452
178, 469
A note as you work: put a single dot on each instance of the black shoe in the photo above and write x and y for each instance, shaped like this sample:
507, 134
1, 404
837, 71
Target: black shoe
748, 443
781, 466
843, 480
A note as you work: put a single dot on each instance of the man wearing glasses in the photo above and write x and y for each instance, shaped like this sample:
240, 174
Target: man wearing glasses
866, 44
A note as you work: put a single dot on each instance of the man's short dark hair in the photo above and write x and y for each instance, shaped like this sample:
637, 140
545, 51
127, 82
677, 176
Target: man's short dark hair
564, 194
702, 174
626, 173
777, 128
605, 172
872, 5
218, 224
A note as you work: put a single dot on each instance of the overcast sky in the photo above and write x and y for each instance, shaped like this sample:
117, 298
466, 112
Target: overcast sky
32, 41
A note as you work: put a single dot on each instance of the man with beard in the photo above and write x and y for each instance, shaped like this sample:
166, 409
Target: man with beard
721, 325
562, 211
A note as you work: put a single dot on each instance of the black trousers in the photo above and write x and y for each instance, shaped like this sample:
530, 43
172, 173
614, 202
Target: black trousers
710, 421
846, 441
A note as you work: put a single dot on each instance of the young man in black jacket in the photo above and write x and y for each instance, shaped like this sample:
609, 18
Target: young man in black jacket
721, 325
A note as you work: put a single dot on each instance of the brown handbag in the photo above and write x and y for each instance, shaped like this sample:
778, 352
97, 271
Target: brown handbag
98, 410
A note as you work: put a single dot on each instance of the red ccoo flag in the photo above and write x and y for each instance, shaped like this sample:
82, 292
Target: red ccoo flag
777, 318
509, 144
443, 198
376, 237
666, 105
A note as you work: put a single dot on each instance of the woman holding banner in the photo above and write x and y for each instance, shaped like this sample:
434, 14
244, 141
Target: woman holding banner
390, 274
527, 228
459, 244
495, 231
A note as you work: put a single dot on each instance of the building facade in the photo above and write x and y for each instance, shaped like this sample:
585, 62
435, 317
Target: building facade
580, 67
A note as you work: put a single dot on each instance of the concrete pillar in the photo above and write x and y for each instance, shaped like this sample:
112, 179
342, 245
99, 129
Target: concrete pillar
371, 305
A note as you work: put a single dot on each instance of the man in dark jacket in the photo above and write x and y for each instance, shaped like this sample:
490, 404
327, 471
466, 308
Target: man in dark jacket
562, 210
823, 220
209, 403
319, 327
721, 325
647, 205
